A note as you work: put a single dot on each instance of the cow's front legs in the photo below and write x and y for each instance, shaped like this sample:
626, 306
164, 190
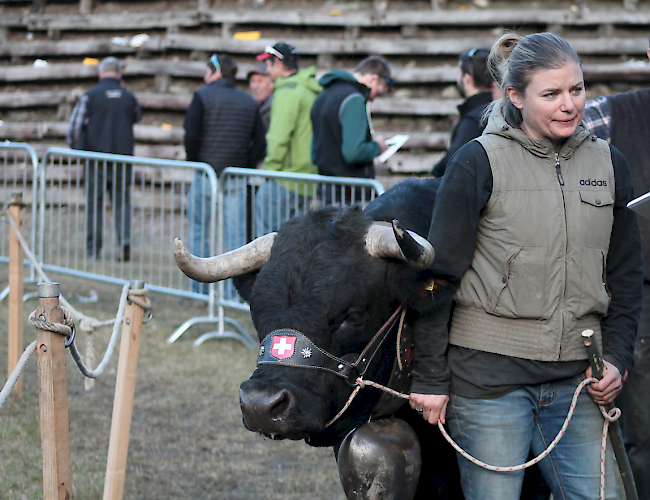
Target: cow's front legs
380, 460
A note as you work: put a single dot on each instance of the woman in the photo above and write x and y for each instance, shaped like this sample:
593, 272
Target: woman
531, 224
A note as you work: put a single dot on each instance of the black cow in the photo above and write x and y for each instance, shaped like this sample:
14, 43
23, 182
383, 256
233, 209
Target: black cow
325, 284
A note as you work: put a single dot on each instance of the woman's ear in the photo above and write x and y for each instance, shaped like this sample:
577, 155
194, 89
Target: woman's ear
515, 97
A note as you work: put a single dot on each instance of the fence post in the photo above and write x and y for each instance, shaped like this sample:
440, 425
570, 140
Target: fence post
16, 278
53, 397
127, 369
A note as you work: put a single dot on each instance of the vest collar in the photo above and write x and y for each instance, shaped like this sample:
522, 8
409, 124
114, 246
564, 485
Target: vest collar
498, 125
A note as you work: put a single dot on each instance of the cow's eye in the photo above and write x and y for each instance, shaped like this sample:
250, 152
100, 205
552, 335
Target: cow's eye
338, 320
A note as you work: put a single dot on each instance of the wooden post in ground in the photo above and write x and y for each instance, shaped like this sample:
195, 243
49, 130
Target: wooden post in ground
127, 369
16, 277
53, 398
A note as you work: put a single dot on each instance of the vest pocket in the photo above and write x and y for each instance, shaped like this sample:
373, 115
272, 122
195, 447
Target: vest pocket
594, 296
528, 288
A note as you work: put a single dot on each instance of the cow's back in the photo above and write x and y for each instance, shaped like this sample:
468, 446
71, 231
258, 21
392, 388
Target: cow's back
410, 201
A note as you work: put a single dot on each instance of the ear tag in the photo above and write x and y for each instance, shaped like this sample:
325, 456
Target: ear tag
430, 285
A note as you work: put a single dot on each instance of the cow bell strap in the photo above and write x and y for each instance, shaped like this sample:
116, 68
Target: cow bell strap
288, 347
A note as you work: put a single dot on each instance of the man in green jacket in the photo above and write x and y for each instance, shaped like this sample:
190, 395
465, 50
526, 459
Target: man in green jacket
288, 142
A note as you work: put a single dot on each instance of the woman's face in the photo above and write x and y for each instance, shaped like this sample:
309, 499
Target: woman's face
553, 103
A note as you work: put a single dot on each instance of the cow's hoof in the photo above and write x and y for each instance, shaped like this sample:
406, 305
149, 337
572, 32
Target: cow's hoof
380, 460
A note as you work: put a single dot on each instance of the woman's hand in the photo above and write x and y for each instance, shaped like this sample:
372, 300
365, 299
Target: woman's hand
604, 391
432, 407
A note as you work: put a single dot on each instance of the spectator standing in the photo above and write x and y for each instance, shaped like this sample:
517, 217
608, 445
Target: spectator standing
102, 121
288, 138
532, 256
475, 84
222, 128
623, 120
343, 143
261, 87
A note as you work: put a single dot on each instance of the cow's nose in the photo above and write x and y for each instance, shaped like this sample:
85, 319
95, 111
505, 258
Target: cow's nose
265, 411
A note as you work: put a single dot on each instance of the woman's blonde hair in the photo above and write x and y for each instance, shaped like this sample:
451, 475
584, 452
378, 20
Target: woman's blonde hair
514, 59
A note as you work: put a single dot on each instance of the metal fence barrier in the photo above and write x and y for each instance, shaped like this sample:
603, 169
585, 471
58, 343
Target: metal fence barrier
19, 171
255, 202
114, 218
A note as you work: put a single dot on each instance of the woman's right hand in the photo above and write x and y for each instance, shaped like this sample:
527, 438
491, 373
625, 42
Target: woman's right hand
433, 406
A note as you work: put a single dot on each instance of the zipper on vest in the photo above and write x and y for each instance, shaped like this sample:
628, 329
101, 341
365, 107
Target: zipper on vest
557, 169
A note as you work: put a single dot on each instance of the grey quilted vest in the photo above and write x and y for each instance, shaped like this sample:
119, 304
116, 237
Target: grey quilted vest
537, 279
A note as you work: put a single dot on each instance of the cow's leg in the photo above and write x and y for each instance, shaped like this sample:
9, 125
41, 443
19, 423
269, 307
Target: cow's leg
380, 460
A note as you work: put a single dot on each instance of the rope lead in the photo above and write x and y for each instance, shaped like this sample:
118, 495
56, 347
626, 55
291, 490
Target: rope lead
610, 416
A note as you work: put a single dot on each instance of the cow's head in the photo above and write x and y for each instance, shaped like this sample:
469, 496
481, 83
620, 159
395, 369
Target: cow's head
334, 276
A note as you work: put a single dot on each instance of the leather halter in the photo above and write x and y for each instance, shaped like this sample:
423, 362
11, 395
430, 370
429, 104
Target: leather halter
303, 353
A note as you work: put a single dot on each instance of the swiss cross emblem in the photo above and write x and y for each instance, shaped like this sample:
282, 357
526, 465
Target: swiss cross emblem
282, 346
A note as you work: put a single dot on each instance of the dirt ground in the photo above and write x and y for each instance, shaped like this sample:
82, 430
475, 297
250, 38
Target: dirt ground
186, 439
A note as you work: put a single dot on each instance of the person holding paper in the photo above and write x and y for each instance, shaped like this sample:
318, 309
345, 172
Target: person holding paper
475, 85
344, 144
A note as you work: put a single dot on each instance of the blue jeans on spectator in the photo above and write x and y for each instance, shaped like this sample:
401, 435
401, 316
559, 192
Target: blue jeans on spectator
501, 431
274, 205
198, 213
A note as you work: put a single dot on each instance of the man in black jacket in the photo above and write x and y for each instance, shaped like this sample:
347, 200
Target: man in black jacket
102, 121
343, 144
222, 128
475, 86
623, 120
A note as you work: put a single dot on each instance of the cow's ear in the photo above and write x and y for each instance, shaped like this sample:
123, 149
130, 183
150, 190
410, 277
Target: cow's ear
244, 284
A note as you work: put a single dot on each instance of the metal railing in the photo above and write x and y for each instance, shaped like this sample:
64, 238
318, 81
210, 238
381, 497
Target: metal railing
131, 237
254, 202
19, 171
114, 218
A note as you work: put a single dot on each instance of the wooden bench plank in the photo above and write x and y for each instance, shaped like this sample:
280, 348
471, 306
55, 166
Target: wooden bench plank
29, 131
366, 18
160, 139
628, 71
413, 46
180, 102
315, 46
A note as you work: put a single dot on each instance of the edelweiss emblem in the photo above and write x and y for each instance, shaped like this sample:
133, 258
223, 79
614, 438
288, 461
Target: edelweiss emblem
261, 352
306, 352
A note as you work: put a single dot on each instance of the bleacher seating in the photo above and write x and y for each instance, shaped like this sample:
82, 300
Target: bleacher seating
421, 39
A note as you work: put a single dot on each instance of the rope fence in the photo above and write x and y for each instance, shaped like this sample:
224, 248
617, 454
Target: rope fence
54, 322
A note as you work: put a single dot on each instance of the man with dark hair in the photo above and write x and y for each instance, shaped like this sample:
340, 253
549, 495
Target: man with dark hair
475, 85
222, 128
344, 144
102, 121
624, 121
288, 138
261, 87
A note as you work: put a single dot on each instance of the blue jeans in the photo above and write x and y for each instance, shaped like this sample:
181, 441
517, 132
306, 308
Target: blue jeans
198, 213
274, 205
501, 431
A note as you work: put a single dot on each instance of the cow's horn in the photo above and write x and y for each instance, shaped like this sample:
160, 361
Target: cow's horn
382, 241
246, 259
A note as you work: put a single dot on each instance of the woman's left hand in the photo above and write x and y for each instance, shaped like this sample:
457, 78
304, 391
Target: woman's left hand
604, 391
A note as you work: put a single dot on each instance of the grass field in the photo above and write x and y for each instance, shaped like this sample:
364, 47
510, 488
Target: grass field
186, 440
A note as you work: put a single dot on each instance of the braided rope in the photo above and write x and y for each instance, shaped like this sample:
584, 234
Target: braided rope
15, 374
134, 296
86, 322
65, 328
87, 372
610, 416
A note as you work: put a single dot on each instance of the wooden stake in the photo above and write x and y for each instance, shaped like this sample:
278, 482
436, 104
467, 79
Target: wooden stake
53, 398
16, 277
127, 369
